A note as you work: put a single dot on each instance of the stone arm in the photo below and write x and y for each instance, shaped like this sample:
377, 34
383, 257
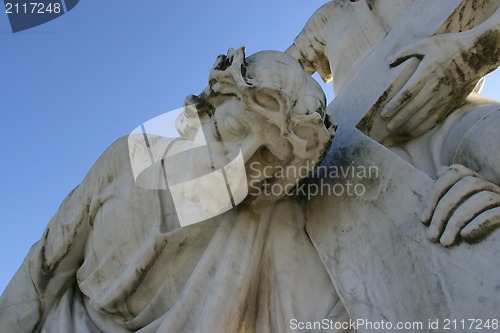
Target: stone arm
464, 203
447, 66
51, 264
451, 64
309, 46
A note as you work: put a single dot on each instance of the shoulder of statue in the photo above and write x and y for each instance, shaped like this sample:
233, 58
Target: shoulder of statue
112, 163
309, 46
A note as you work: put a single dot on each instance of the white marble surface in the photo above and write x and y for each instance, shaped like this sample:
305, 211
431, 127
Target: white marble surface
381, 258
116, 258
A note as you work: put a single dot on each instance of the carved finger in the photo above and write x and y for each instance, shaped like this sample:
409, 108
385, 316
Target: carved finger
423, 127
431, 110
481, 226
407, 72
405, 95
457, 194
412, 108
452, 175
465, 213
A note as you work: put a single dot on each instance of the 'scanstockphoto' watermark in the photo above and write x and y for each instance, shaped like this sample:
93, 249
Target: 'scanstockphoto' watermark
452, 325
207, 177
359, 324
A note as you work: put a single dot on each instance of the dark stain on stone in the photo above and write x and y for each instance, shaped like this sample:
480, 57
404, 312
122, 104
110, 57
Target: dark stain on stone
487, 51
143, 271
366, 124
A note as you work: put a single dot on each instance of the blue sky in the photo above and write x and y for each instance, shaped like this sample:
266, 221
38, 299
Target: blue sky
71, 87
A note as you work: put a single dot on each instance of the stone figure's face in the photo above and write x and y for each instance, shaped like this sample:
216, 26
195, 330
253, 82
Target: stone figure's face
239, 129
233, 129
265, 107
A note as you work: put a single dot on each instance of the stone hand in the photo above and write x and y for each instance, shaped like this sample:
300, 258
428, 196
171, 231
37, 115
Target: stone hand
449, 68
462, 205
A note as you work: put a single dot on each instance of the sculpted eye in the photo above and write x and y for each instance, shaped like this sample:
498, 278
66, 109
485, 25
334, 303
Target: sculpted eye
235, 126
267, 102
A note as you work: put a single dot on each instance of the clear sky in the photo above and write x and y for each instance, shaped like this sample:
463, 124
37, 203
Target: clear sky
71, 87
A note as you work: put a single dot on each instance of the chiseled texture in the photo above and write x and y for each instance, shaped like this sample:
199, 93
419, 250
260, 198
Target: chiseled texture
377, 251
113, 259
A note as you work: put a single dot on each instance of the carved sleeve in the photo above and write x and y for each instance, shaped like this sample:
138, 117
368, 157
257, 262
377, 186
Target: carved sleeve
51, 264
309, 46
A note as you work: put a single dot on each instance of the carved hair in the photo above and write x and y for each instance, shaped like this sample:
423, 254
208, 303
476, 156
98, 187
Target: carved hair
274, 85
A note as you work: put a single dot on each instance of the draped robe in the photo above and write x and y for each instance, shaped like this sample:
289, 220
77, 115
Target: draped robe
115, 259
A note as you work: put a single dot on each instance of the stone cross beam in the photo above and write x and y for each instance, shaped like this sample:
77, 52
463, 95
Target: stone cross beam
373, 245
